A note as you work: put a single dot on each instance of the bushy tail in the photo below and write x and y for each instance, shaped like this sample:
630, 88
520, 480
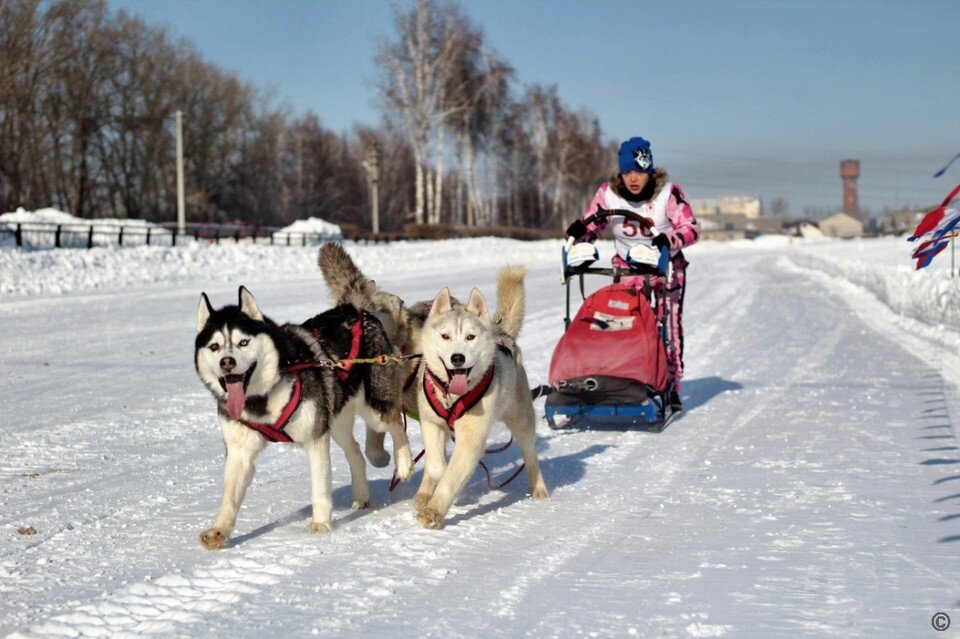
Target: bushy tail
510, 300
345, 281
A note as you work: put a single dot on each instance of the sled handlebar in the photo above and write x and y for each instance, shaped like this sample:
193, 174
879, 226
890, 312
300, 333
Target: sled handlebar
603, 214
578, 229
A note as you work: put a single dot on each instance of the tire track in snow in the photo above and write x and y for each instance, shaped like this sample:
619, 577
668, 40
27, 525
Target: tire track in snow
164, 605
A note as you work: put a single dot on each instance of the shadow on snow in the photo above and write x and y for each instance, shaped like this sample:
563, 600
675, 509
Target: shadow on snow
558, 472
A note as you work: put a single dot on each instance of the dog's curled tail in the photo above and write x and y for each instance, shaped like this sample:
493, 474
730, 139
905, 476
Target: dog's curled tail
510, 300
343, 278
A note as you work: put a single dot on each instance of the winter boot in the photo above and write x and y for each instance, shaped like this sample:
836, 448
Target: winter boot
674, 402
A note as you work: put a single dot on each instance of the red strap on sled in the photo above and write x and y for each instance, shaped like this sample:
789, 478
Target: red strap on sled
431, 385
274, 432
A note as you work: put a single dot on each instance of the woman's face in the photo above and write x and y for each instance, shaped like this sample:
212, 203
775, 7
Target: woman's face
635, 181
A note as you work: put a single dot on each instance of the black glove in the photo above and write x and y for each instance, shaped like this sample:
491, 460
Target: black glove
661, 241
576, 230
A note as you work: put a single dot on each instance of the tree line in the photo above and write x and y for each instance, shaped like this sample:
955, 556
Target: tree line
88, 99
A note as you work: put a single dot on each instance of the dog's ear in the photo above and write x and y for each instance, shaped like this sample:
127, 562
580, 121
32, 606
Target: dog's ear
204, 311
248, 305
477, 305
441, 303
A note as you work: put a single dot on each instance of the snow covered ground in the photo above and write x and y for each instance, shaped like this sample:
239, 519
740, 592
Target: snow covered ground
811, 488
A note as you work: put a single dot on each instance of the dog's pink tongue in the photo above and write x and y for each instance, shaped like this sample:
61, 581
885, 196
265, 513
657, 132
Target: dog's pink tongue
236, 398
458, 384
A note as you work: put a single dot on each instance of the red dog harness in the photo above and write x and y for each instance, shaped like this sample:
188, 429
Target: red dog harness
274, 432
357, 332
467, 401
341, 368
431, 384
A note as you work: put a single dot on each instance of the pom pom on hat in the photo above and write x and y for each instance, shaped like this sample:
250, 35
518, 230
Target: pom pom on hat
635, 155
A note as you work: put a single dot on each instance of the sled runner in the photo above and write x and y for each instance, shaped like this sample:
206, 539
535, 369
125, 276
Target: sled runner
609, 370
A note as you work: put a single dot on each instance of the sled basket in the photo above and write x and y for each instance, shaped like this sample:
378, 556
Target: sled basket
614, 334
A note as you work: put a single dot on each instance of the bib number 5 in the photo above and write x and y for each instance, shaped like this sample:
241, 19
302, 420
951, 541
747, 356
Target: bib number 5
632, 229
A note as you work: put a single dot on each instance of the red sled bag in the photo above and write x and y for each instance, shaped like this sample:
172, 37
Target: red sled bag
614, 334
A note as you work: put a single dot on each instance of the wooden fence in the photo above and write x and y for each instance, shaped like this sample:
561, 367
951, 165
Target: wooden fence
48, 235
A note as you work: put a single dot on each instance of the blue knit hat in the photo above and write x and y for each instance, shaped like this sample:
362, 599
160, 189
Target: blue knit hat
635, 155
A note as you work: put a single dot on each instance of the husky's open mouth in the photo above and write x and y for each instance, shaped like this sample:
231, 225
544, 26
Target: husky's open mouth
236, 389
457, 384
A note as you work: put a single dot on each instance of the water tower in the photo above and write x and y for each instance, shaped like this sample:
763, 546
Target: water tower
849, 172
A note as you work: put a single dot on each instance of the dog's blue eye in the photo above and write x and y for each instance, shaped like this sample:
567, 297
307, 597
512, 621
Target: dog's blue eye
244, 342
214, 347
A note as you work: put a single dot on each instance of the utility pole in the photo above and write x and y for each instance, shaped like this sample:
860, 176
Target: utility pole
300, 206
372, 165
181, 214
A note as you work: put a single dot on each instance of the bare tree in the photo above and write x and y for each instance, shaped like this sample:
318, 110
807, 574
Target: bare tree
419, 89
779, 207
481, 86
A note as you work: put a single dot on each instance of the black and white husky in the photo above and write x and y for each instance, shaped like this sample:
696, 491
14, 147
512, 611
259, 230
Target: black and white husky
269, 387
471, 376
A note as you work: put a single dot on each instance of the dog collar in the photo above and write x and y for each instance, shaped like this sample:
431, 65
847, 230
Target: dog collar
274, 432
431, 384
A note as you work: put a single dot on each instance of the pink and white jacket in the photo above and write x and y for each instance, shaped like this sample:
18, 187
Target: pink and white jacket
667, 208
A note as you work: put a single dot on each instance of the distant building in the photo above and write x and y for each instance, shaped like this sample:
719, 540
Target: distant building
730, 226
896, 223
841, 225
745, 205
805, 228
764, 225
722, 227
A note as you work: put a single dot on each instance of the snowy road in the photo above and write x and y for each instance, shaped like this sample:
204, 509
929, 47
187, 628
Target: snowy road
812, 488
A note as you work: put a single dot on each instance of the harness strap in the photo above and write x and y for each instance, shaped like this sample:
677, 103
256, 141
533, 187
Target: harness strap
502, 484
395, 480
274, 432
410, 379
357, 331
464, 403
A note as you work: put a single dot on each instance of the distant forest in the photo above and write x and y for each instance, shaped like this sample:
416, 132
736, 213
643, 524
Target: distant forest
87, 104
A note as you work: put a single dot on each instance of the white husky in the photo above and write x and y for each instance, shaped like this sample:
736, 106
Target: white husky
471, 376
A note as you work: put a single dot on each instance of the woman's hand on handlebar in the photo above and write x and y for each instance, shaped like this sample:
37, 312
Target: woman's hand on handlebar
576, 230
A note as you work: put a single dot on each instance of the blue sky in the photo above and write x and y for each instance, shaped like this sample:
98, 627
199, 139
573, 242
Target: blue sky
761, 97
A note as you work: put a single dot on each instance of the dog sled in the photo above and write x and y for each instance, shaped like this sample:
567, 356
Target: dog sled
609, 370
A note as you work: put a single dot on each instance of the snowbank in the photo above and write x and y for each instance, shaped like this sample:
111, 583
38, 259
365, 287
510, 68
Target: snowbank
73, 270
55, 216
884, 268
313, 225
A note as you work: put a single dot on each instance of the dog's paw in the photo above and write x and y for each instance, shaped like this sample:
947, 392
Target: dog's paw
540, 492
319, 527
360, 505
214, 538
420, 501
378, 458
430, 517
404, 471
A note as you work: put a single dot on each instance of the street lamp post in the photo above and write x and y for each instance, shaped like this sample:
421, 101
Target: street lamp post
372, 165
181, 213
